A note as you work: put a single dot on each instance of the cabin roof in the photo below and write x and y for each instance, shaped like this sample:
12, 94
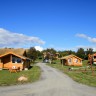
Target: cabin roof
69, 56
20, 52
94, 54
22, 57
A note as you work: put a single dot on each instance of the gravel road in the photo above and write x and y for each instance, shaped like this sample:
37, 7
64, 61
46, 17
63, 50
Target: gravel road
52, 83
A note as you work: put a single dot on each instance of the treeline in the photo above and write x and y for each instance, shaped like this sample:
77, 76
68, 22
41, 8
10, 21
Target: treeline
34, 54
80, 53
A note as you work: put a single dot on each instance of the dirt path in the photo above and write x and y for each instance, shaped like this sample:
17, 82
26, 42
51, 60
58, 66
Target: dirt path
52, 83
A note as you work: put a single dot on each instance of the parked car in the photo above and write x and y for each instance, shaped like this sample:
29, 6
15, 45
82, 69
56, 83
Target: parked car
45, 61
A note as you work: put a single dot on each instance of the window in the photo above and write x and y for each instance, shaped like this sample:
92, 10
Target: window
69, 60
76, 60
16, 60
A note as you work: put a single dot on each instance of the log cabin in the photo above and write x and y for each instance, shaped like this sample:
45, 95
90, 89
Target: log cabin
14, 57
71, 60
92, 58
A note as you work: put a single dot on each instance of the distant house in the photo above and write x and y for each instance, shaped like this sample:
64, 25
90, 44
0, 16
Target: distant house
47, 55
92, 58
13, 57
71, 60
57, 55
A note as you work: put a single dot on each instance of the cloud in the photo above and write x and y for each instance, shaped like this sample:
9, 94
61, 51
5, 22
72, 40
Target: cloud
93, 40
10, 39
39, 48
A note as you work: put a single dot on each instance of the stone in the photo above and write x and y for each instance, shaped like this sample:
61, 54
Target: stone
22, 78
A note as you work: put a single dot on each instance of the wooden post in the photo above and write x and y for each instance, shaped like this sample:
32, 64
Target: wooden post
62, 62
91, 62
0, 60
1, 63
11, 58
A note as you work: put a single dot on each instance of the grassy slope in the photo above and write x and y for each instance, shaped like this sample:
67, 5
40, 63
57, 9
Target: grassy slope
77, 75
7, 78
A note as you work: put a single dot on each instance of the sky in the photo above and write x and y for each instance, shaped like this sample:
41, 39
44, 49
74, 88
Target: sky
58, 24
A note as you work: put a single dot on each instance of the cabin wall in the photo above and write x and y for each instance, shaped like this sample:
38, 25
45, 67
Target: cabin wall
26, 64
94, 59
73, 61
7, 65
20, 65
64, 62
1, 65
10, 65
7, 62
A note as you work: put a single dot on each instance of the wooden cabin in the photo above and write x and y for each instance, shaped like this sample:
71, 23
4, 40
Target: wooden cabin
57, 55
13, 57
71, 60
92, 58
50, 55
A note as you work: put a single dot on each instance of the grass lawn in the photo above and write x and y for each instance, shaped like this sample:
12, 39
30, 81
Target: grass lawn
81, 76
7, 78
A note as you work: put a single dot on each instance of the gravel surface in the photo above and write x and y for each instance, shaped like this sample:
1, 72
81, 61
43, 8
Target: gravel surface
52, 83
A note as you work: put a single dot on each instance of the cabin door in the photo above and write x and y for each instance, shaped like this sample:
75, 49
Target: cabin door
64, 62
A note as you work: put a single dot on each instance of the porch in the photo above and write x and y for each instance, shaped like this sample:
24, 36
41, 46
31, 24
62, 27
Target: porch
10, 60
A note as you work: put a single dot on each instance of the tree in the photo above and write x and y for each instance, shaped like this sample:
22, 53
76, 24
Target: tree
66, 52
81, 53
51, 50
88, 51
32, 53
49, 53
39, 54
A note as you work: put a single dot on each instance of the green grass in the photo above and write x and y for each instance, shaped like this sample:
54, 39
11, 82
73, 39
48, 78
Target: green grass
85, 62
81, 76
7, 78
